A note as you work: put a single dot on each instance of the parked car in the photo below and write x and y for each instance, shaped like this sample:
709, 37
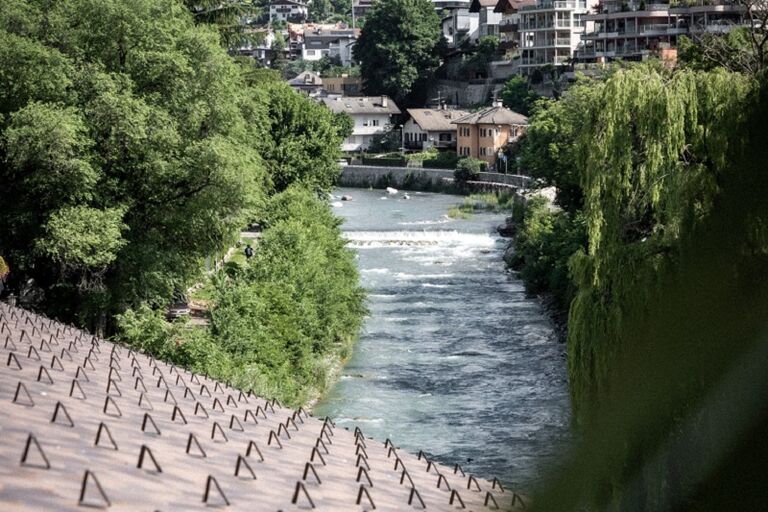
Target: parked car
178, 310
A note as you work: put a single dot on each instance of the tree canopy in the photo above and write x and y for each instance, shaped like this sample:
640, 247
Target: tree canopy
399, 48
133, 147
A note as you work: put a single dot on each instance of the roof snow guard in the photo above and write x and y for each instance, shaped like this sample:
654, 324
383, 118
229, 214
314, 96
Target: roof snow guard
89, 424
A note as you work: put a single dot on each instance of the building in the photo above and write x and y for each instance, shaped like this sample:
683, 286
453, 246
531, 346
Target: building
332, 43
550, 31
372, 116
431, 128
288, 10
636, 30
343, 85
485, 133
488, 20
307, 82
460, 25
509, 37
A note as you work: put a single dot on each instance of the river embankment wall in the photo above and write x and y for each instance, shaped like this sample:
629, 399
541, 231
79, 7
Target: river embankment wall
419, 178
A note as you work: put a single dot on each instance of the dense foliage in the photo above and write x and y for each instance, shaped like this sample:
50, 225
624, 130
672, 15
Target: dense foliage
667, 347
282, 321
517, 95
133, 147
398, 48
543, 245
661, 244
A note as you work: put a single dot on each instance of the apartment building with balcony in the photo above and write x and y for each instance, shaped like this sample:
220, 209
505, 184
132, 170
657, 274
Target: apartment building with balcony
636, 30
550, 31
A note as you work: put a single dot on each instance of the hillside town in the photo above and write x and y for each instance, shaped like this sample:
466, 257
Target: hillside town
484, 44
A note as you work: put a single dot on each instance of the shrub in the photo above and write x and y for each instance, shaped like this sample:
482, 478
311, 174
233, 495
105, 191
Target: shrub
468, 169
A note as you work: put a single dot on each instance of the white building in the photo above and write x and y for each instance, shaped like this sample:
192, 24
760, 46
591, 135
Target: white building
372, 116
337, 43
288, 10
431, 128
550, 31
460, 25
488, 22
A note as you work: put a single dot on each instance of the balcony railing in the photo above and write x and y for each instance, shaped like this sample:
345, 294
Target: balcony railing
567, 4
655, 28
509, 27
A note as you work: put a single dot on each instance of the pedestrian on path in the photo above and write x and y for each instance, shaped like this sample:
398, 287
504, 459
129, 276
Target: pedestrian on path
248, 251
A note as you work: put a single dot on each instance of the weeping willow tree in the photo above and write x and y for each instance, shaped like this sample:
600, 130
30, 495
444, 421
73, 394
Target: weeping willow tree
668, 333
652, 150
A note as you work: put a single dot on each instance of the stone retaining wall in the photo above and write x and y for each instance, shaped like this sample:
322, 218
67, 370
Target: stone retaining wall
414, 178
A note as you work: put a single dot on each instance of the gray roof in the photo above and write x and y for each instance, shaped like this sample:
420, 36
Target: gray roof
362, 105
306, 79
91, 424
436, 120
493, 115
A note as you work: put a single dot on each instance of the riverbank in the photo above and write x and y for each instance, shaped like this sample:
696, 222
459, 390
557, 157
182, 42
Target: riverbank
281, 322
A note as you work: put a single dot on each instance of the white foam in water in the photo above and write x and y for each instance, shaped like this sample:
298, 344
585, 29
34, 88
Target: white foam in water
437, 237
443, 220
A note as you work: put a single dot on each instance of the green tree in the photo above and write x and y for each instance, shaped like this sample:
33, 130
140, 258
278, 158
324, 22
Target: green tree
398, 48
302, 142
667, 331
549, 148
517, 95
139, 111
319, 10
230, 17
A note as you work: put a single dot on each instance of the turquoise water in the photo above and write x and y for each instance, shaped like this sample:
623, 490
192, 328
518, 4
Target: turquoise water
454, 359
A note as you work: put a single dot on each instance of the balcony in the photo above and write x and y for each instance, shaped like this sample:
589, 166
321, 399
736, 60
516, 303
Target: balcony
509, 27
655, 29
557, 5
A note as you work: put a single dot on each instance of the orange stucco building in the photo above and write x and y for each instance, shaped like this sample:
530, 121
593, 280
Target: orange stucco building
482, 134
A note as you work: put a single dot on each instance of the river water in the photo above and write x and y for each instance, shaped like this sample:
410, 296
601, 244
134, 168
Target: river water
454, 358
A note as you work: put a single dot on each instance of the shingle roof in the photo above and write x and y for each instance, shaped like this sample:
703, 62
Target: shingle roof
88, 423
362, 105
493, 115
435, 120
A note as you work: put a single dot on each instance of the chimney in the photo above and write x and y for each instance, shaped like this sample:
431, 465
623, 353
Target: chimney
384, 101
497, 102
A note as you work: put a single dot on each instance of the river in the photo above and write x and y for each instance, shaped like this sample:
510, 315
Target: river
454, 359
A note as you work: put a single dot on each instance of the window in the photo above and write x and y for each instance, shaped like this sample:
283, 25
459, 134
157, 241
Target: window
374, 122
482, 151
